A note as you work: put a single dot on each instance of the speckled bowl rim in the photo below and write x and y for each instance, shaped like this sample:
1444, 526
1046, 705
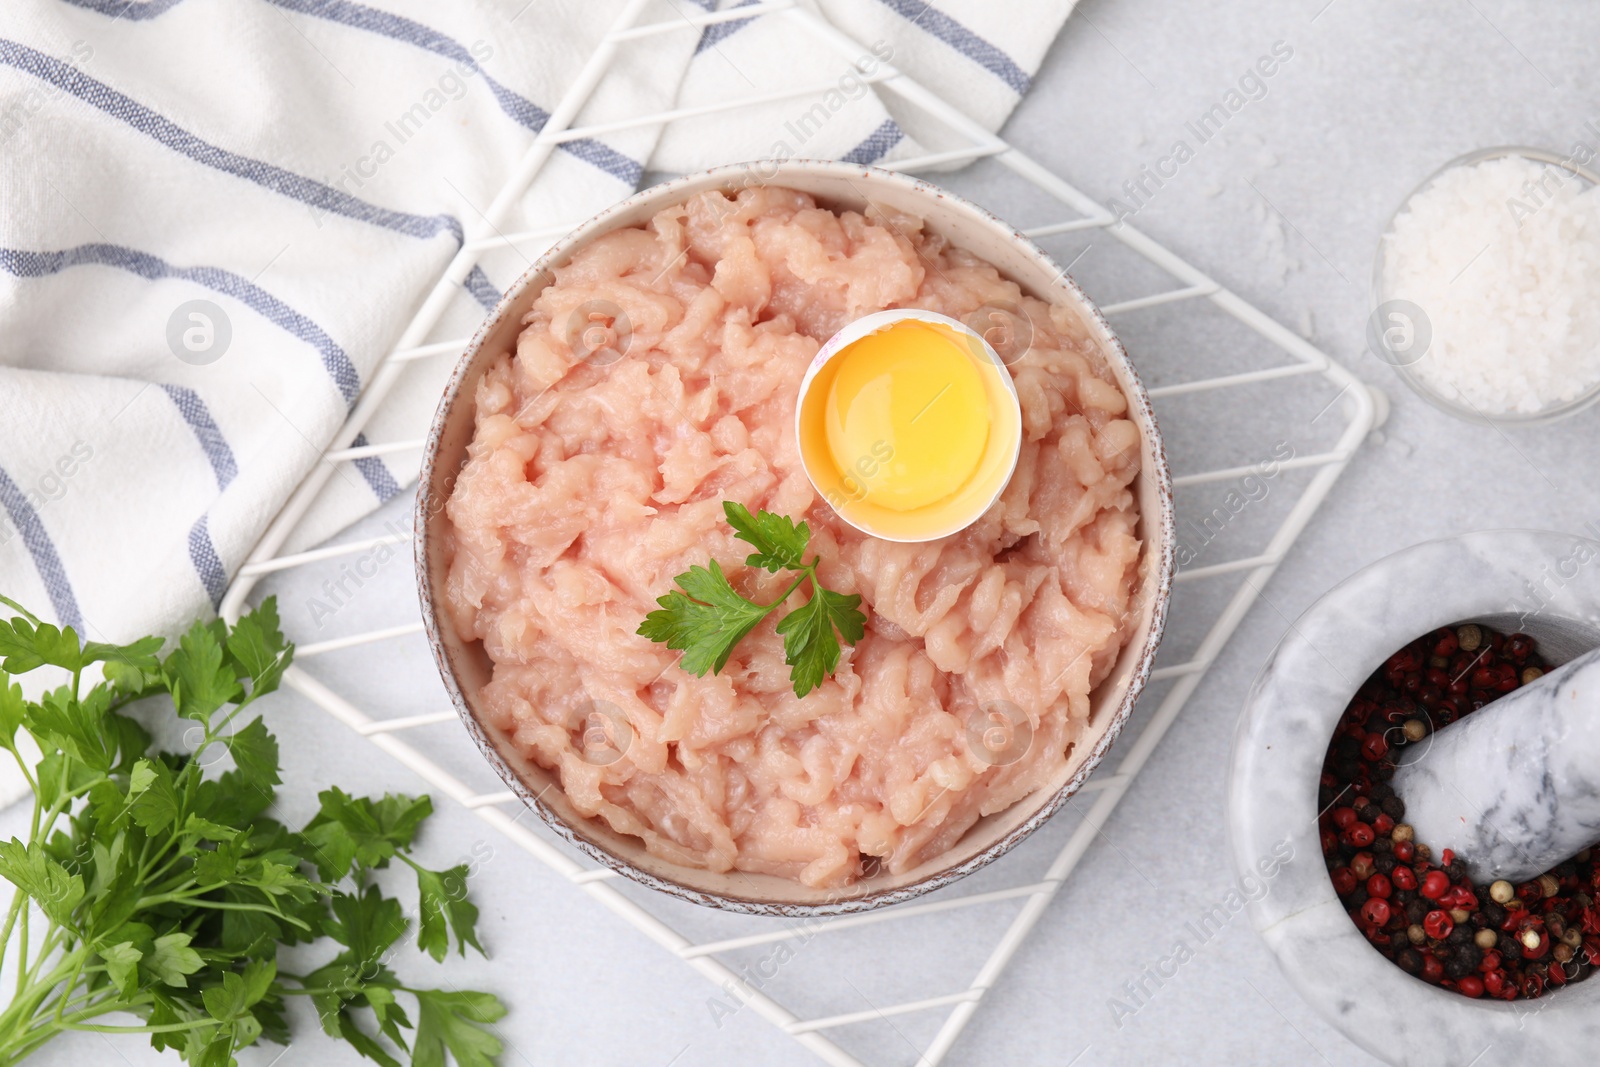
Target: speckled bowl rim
1157, 532
1265, 752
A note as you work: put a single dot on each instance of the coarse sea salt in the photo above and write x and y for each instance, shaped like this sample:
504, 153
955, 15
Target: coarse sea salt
1503, 257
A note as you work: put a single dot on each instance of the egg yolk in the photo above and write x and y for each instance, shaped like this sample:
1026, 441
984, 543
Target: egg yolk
906, 416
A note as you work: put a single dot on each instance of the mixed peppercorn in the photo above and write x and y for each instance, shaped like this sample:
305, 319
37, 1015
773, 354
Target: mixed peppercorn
1423, 913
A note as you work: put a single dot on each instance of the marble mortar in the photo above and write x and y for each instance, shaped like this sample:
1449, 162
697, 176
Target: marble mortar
1510, 580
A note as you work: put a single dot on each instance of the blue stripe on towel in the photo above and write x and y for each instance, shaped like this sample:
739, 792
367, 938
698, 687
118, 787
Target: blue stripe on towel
206, 431
714, 34
935, 22
415, 33
482, 289
37, 541
39, 264
377, 475
132, 10
322, 197
876, 144
207, 564
361, 17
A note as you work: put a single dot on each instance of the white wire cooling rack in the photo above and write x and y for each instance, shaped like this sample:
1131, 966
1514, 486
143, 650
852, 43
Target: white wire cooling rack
1173, 321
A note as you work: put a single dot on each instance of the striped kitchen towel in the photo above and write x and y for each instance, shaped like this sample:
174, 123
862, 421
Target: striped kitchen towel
216, 217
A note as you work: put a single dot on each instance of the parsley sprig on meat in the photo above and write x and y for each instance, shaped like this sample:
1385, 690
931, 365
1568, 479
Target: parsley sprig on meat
705, 616
166, 889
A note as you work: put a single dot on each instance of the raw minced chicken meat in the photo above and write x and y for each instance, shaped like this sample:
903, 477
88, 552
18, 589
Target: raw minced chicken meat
593, 479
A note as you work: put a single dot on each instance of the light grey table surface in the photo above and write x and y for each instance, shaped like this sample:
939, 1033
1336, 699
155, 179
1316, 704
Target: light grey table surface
1375, 97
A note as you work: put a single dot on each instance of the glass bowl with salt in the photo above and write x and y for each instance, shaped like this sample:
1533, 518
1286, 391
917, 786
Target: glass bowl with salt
1486, 286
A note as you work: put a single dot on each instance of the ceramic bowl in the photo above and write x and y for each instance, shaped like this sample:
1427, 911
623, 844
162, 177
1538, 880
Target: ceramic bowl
466, 668
1510, 580
1390, 308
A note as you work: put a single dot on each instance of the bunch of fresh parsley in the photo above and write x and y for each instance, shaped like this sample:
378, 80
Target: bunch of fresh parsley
705, 616
168, 890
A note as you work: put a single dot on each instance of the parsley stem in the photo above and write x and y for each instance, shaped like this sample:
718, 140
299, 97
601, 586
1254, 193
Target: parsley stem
61, 1005
18, 899
22, 948
164, 1028
190, 899
810, 571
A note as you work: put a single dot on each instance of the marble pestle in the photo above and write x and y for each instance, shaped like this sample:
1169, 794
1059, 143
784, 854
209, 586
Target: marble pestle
1513, 788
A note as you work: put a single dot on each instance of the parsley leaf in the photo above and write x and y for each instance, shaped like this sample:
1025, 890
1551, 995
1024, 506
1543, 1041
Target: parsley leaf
809, 644
705, 617
53, 888
442, 906
199, 680
780, 544
705, 620
355, 830
456, 1021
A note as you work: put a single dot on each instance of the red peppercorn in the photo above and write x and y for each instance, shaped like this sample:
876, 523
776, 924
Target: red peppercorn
1362, 865
1471, 986
1330, 842
1432, 969
1343, 816
1378, 886
1491, 960
1358, 835
1445, 643
1532, 985
1382, 825
1375, 911
1402, 877
1438, 925
1374, 747
1435, 884
1404, 851
1446, 858
1344, 881
1494, 981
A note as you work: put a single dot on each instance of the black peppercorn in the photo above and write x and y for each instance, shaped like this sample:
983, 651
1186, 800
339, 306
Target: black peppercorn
1409, 960
1394, 807
1509, 947
1461, 935
1383, 862
1383, 845
1456, 869
1456, 967
1417, 909
1493, 914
